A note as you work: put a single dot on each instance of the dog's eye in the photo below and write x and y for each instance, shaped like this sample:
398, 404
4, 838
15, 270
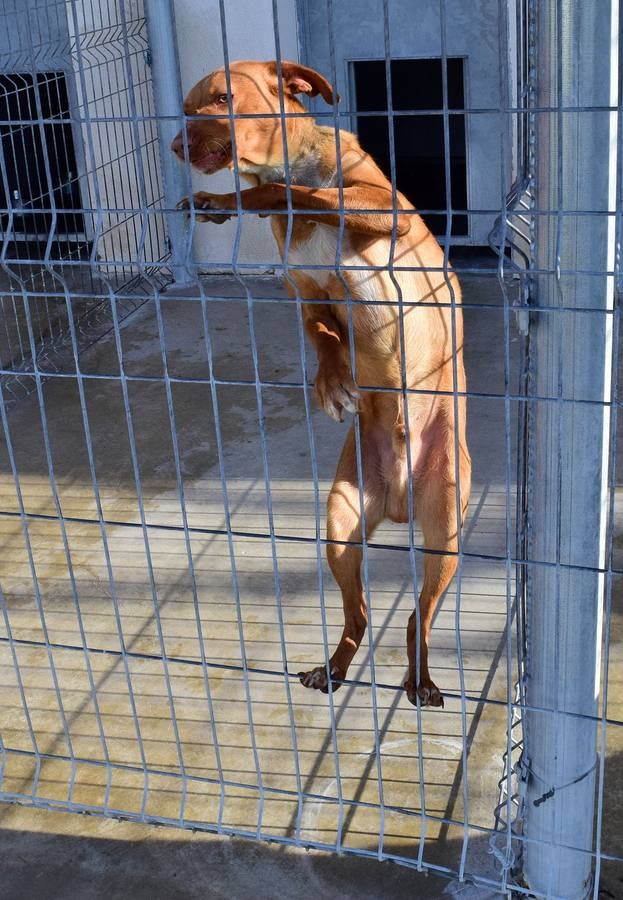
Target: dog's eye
222, 98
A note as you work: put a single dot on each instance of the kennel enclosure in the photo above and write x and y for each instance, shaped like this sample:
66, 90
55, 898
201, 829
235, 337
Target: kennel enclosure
164, 473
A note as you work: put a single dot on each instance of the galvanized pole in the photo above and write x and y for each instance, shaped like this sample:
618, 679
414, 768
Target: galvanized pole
568, 454
165, 75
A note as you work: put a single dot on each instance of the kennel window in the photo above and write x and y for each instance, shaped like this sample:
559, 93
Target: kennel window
25, 183
417, 85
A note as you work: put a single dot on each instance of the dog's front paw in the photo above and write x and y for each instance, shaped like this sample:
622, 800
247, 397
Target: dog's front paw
336, 392
201, 202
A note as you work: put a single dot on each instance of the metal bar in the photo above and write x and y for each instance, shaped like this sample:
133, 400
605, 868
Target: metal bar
507, 856
456, 413
336, 268
600, 834
568, 455
405, 401
165, 73
261, 423
187, 542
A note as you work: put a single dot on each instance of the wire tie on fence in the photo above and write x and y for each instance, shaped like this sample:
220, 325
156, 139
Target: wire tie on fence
546, 796
550, 793
506, 860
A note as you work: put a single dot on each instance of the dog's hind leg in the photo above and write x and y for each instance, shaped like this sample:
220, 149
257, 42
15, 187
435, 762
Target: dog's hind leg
344, 527
437, 513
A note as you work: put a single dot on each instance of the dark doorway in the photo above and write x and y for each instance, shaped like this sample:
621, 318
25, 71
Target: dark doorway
25, 147
418, 139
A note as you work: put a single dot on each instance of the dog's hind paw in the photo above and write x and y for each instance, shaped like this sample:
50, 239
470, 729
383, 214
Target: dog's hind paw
317, 679
428, 692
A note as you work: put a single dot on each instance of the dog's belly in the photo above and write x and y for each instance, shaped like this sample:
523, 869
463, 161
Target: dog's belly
395, 477
427, 450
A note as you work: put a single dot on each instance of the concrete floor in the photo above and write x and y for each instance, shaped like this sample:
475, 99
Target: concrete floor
151, 601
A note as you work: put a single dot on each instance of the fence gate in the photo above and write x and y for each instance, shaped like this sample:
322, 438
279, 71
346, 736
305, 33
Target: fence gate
164, 471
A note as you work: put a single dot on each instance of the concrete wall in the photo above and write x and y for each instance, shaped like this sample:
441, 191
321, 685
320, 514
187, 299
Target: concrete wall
250, 35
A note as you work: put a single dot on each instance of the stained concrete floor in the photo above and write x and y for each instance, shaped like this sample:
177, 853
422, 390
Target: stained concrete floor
151, 602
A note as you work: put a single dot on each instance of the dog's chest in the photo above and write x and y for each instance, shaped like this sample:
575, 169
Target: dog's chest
331, 261
331, 258
324, 255
315, 255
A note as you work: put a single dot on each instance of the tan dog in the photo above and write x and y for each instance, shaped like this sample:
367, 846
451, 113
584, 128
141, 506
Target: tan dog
433, 335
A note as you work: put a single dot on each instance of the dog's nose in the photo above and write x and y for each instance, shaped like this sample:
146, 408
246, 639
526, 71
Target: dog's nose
177, 144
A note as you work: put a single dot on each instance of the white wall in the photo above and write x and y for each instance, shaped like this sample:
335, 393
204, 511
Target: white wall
113, 146
250, 35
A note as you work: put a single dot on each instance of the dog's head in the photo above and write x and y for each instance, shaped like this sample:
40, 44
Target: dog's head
254, 94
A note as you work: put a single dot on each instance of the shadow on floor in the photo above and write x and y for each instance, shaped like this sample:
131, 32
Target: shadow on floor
64, 866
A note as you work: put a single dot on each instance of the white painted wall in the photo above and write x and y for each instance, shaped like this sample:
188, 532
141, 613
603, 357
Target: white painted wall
111, 145
250, 35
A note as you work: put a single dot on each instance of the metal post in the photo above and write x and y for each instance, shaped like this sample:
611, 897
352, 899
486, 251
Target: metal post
568, 452
168, 102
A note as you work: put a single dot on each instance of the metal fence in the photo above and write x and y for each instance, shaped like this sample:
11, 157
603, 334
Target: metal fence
163, 472
78, 175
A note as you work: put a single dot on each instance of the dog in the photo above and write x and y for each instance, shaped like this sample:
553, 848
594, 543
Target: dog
422, 338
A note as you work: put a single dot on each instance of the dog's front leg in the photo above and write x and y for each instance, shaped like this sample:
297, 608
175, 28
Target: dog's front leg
203, 204
335, 389
219, 208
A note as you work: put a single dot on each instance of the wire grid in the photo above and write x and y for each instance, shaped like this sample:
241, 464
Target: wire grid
76, 211
165, 576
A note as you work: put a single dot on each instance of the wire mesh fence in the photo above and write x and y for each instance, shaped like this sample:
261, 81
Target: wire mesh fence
173, 587
70, 186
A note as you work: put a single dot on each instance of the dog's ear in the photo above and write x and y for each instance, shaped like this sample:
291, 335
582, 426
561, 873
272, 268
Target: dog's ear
303, 80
